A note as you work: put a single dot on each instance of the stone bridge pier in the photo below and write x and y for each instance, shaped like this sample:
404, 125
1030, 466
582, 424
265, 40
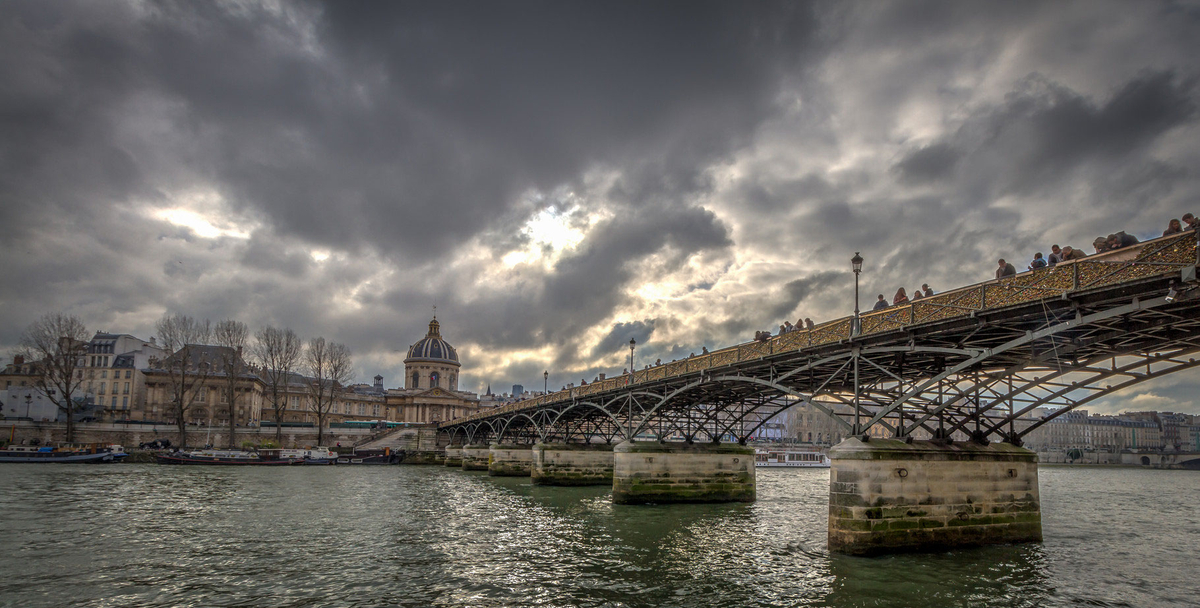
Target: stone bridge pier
889, 496
573, 464
475, 456
652, 472
510, 460
454, 455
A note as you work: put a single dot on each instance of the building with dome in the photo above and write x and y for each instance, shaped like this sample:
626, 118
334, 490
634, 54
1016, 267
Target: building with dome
430, 392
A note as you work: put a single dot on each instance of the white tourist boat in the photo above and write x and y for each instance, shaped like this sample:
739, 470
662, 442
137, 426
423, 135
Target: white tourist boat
790, 457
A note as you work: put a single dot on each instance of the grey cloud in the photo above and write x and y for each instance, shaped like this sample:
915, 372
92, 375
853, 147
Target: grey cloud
927, 164
414, 141
618, 338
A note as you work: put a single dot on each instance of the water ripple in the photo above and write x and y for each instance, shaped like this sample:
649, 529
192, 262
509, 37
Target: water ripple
151, 536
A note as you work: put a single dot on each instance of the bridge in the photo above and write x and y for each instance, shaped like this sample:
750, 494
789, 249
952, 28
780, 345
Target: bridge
902, 383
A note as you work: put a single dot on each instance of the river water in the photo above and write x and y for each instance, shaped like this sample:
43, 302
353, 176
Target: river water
147, 535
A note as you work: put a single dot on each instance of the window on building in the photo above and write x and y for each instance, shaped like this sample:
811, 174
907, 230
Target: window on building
114, 401
104, 374
415, 380
362, 409
346, 408
127, 373
375, 410
101, 391
124, 401
126, 388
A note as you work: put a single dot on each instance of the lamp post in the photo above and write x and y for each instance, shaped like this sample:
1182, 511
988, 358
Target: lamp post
856, 264
856, 329
546, 382
28, 401
632, 343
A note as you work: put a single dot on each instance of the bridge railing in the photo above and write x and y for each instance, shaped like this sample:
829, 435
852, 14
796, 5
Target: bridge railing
1151, 258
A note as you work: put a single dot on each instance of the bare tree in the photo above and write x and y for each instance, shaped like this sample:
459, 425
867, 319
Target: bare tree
232, 336
277, 351
186, 366
56, 344
329, 367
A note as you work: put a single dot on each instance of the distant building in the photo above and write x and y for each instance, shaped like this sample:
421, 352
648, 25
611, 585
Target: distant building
1079, 431
517, 391
112, 373
430, 392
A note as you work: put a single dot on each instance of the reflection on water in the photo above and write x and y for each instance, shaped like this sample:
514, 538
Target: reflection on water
145, 535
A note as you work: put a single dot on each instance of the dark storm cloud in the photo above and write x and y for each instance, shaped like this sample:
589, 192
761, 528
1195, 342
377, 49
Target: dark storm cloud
361, 162
618, 338
1045, 131
927, 164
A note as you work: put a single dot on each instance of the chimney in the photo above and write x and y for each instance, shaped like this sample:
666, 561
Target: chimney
18, 360
152, 342
378, 382
601, 376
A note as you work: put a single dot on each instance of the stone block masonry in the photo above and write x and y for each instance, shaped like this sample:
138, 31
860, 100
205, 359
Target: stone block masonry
652, 472
475, 456
888, 496
573, 464
453, 456
510, 460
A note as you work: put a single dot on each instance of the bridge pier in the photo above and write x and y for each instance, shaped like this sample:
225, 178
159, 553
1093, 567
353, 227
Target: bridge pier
572, 464
454, 456
510, 460
888, 496
475, 456
652, 472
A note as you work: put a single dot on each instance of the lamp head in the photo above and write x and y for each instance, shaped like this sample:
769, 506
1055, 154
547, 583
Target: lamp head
856, 262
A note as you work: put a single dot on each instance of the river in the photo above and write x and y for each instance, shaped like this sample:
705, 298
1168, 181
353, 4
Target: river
133, 535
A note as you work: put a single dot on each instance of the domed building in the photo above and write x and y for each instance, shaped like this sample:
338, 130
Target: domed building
432, 362
430, 392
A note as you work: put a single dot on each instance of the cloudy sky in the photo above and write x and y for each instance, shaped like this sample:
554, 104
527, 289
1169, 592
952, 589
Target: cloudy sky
558, 178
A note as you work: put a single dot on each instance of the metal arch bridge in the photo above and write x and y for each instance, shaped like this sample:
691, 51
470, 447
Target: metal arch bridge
973, 360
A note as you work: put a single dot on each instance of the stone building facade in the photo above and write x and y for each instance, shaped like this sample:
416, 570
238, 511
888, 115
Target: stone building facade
430, 392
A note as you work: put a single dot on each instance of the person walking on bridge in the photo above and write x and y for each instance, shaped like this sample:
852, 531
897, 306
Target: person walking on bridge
1005, 269
901, 297
879, 305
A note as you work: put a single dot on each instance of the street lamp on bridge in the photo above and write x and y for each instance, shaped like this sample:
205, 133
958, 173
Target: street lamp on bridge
855, 330
546, 382
632, 342
856, 264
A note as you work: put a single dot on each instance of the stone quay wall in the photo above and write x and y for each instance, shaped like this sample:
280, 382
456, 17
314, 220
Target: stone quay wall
454, 456
475, 457
510, 460
888, 496
572, 464
131, 435
652, 472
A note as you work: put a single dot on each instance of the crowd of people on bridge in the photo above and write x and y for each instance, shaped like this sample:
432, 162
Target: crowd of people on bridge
1101, 244
1005, 268
902, 298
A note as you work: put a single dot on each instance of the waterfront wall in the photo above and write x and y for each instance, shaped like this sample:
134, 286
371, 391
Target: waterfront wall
887, 496
132, 435
652, 472
572, 464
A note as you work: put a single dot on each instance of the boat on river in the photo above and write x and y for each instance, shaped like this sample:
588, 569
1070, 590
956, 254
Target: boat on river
227, 458
310, 455
790, 457
67, 452
372, 456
